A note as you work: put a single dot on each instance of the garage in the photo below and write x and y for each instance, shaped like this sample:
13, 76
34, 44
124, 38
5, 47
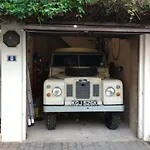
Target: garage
117, 48
42, 41
126, 76
33, 30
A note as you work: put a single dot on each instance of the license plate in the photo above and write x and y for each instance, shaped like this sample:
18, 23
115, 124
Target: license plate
84, 103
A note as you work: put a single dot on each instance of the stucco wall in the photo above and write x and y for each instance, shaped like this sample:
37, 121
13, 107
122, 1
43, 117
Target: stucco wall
127, 52
14, 75
133, 97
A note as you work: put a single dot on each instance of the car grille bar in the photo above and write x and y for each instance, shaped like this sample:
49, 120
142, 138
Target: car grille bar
69, 90
82, 89
96, 90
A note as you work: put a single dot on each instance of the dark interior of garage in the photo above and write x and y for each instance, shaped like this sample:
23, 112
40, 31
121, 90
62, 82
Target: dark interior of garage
122, 56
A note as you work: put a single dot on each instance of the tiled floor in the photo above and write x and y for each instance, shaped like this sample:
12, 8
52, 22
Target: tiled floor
79, 130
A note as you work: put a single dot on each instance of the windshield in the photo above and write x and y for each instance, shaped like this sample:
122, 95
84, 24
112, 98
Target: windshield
91, 60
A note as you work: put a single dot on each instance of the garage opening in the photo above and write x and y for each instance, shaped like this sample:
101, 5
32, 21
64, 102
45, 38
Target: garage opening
121, 54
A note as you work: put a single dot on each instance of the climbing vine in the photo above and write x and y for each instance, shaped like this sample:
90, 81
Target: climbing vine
40, 9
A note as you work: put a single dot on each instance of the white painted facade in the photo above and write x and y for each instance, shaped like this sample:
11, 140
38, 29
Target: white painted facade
14, 88
144, 88
0, 71
13, 97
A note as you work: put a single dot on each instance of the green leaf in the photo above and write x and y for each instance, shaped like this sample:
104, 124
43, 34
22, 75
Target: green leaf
43, 8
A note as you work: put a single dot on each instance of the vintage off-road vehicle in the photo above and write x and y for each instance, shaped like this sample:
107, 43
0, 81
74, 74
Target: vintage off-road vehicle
79, 81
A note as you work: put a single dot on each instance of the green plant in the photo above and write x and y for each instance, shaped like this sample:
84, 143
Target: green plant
23, 9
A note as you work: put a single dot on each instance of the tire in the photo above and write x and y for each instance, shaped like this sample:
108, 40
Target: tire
112, 120
51, 121
81, 72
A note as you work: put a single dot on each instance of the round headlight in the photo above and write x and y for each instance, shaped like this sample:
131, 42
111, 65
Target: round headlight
57, 91
110, 91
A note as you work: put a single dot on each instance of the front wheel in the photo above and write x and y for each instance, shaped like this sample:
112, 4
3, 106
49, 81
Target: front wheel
112, 120
51, 121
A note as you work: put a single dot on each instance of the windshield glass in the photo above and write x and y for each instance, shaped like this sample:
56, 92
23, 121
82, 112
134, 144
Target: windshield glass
91, 60
65, 60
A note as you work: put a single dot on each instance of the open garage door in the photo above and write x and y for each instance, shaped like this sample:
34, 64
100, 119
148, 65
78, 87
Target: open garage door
117, 45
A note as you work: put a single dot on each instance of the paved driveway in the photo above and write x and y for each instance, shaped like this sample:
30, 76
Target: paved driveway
134, 145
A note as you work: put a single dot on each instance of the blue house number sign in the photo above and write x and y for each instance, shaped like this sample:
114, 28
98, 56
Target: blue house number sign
11, 58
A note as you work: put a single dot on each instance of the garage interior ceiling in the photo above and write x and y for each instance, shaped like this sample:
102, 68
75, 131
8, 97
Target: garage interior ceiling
80, 41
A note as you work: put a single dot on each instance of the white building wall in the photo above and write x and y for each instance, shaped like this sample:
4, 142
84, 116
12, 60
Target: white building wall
146, 88
0, 71
13, 125
141, 86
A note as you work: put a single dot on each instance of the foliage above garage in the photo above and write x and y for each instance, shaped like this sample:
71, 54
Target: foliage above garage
92, 10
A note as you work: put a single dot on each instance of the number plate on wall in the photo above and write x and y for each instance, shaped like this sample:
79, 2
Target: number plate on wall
11, 58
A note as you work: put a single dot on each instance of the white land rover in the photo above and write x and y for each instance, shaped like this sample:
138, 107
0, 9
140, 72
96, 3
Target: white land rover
79, 82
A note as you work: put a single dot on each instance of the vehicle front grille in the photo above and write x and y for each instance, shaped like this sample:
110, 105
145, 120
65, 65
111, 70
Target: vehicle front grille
96, 90
82, 89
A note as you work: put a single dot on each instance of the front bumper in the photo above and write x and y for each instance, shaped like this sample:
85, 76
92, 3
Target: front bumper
102, 108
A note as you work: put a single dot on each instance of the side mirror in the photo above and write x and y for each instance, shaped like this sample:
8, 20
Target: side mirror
115, 70
120, 68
